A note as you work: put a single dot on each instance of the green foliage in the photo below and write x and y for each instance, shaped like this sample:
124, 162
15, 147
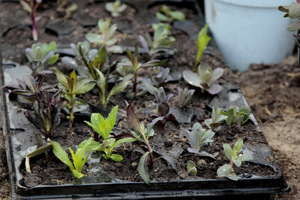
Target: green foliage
205, 78
216, 118
165, 27
202, 42
143, 168
167, 15
70, 88
185, 96
106, 36
191, 168
113, 143
103, 126
198, 137
237, 117
115, 8
40, 55
66, 7
79, 158
227, 169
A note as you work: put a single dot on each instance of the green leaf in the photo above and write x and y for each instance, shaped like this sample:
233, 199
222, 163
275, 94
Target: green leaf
117, 89
177, 15
60, 153
143, 168
227, 171
228, 151
116, 157
123, 140
191, 168
238, 146
77, 174
53, 59
83, 86
163, 17
202, 42
61, 78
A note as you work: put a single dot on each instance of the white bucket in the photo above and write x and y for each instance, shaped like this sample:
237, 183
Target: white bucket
250, 31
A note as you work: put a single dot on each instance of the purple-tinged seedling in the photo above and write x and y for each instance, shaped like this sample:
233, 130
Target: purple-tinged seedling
31, 7
185, 96
205, 78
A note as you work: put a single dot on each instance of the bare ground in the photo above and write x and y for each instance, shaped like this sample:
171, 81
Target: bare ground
273, 93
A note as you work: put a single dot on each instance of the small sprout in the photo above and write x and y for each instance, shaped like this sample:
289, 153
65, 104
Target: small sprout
198, 137
161, 42
66, 7
113, 143
185, 96
216, 119
45, 114
124, 68
227, 169
106, 36
103, 126
205, 78
70, 88
202, 42
41, 54
167, 15
31, 7
136, 66
237, 117
115, 8
191, 168
79, 158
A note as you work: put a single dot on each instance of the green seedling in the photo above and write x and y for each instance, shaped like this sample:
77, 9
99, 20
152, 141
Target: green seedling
113, 143
79, 158
161, 42
106, 37
197, 138
103, 126
167, 15
191, 168
31, 6
136, 66
165, 26
185, 96
66, 7
40, 55
237, 117
70, 88
202, 42
235, 158
205, 78
217, 117
115, 8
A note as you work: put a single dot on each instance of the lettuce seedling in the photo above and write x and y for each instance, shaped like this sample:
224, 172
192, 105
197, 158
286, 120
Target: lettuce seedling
41, 54
103, 126
70, 88
161, 42
79, 158
106, 36
115, 8
202, 42
166, 27
205, 78
198, 137
45, 114
167, 15
31, 7
216, 119
227, 169
185, 96
191, 168
237, 117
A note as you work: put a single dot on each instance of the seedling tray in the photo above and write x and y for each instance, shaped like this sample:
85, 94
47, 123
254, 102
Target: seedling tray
19, 136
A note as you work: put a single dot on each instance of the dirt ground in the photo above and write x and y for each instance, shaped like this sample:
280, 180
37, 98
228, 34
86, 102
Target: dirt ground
273, 93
